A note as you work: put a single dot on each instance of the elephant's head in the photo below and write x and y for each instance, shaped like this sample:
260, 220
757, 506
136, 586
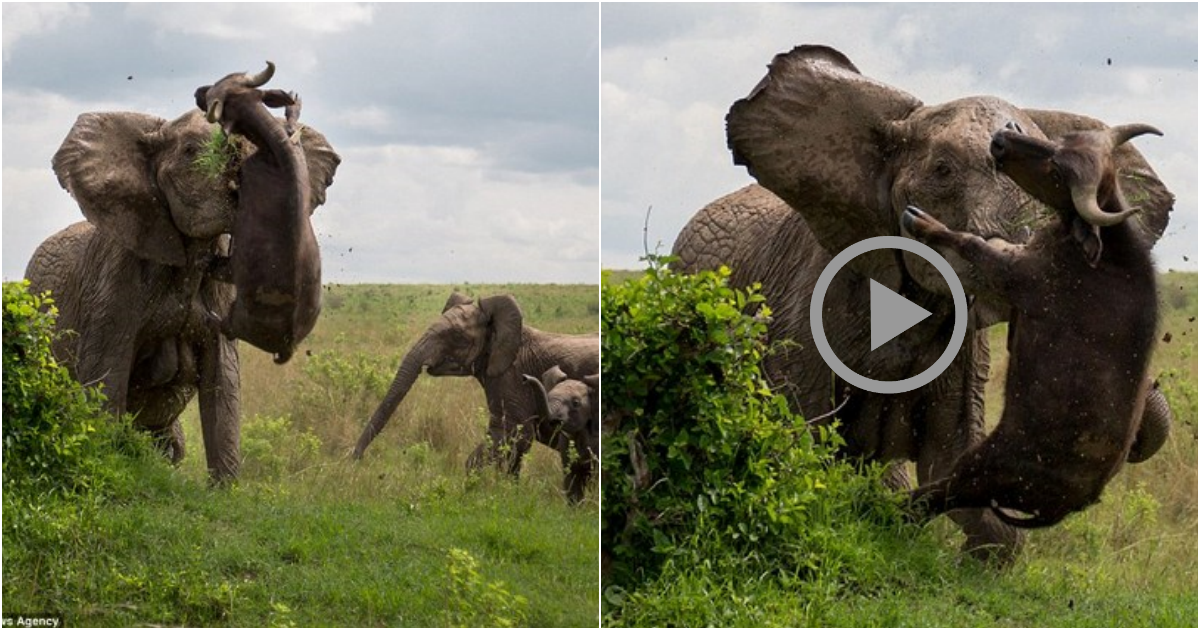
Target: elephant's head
469, 339
135, 178
850, 153
568, 403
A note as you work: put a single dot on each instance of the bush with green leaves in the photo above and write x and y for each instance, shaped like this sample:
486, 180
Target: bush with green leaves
54, 429
702, 461
473, 602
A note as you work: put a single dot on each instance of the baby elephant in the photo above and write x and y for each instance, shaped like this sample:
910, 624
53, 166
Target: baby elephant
571, 408
1084, 313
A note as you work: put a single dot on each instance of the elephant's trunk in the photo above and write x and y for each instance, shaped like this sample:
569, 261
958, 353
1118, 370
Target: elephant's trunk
406, 375
540, 396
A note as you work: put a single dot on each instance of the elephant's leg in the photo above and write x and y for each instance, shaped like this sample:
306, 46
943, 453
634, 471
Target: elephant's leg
158, 409
577, 468
504, 446
518, 446
105, 356
896, 476
220, 419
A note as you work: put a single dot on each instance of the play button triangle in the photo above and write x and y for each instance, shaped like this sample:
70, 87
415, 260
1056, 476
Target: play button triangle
891, 314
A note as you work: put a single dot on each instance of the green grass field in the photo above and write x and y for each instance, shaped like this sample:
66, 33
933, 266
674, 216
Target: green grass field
1129, 561
308, 537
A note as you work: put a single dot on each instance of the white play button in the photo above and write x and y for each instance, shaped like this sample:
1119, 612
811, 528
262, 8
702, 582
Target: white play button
891, 314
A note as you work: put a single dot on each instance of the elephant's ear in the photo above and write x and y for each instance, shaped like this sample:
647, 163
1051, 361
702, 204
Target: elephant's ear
814, 132
553, 377
322, 163
1139, 183
106, 163
592, 381
456, 299
505, 321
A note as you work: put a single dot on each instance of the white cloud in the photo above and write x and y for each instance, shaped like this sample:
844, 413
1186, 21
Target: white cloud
406, 213
241, 21
22, 19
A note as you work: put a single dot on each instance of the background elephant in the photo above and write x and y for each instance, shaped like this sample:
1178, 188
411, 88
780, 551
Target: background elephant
839, 156
571, 408
489, 341
134, 282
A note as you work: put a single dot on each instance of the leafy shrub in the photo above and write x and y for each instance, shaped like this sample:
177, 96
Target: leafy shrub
339, 390
472, 602
54, 429
702, 461
273, 447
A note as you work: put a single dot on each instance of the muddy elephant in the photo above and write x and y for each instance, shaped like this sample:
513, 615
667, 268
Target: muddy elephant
489, 341
571, 409
838, 157
135, 281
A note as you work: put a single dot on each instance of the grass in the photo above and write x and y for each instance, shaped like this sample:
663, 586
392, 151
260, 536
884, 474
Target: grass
215, 156
1131, 560
308, 537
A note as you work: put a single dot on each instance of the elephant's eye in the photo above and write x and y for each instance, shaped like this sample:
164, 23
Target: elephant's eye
942, 168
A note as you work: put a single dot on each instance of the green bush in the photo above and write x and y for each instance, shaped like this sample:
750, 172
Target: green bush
472, 602
704, 463
52, 425
273, 447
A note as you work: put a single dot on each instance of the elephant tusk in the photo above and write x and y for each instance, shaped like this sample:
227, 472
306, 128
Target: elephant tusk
214, 111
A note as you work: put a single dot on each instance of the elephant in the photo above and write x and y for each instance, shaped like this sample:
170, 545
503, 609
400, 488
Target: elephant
135, 283
573, 407
838, 157
489, 341
1082, 329
275, 263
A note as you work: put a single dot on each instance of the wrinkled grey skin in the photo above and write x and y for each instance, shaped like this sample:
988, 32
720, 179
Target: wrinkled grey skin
489, 341
275, 262
571, 407
838, 157
133, 282
1081, 333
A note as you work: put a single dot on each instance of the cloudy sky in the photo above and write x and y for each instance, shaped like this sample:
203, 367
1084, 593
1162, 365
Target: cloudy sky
469, 133
671, 71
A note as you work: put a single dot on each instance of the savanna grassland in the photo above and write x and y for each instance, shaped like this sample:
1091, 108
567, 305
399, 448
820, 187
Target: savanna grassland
307, 537
1130, 560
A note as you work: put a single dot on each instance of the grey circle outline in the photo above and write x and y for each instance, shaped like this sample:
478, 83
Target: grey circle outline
818, 301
